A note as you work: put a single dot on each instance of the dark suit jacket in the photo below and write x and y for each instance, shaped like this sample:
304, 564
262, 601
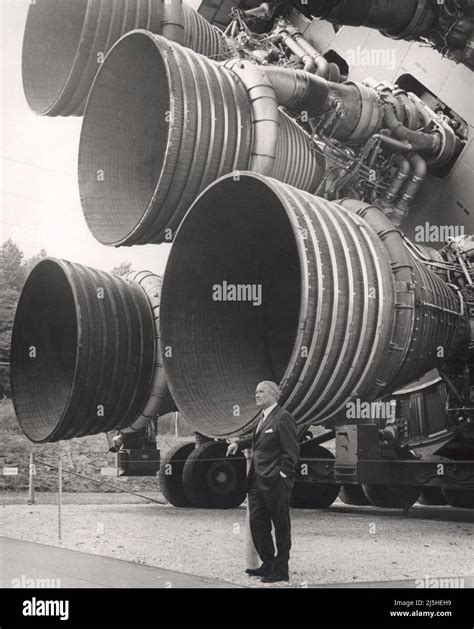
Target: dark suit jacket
275, 448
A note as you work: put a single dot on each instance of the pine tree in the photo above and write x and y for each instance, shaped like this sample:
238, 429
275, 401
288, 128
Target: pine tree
12, 269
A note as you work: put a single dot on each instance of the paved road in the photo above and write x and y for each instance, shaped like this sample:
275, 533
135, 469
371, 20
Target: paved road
464, 582
82, 570
76, 569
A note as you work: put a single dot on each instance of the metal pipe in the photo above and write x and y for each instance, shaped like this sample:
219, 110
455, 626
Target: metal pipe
263, 10
83, 356
312, 59
159, 400
188, 120
395, 146
301, 91
66, 41
425, 143
412, 115
402, 165
31, 478
319, 296
321, 64
60, 494
265, 116
418, 173
172, 25
251, 555
305, 57
404, 114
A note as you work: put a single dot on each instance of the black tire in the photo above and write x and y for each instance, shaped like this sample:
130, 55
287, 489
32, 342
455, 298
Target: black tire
391, 496
353, 495
432, 496
171, 474
308, 495
457, 497
213, 481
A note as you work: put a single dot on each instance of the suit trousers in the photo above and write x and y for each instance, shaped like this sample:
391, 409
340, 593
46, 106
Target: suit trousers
265, 507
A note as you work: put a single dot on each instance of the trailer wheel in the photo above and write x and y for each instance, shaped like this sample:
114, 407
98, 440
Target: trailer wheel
171, 474
308, 495
456, 497
391, 496
432, 496
353, 495
213, 481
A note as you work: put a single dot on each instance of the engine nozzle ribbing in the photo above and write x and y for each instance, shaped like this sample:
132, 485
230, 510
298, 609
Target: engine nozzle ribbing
267, 282
66, 41
162, 122
85, 357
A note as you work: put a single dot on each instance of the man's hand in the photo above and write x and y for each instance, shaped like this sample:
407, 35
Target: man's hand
117, 443
232, 449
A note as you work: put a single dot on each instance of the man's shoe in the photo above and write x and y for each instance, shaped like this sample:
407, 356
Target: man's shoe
275, 578
263, 571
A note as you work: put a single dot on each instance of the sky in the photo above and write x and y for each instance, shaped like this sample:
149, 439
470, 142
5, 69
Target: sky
39, 202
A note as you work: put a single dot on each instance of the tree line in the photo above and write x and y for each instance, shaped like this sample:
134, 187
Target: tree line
14, 269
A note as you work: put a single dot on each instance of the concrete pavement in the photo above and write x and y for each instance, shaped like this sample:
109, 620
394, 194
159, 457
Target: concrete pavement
22, 562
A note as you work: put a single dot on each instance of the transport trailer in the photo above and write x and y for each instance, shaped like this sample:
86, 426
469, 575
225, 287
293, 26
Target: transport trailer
312, 166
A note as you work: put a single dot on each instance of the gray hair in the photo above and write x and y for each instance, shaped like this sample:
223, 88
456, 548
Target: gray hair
272, 387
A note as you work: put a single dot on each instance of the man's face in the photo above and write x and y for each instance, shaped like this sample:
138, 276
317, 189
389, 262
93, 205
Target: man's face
263, 397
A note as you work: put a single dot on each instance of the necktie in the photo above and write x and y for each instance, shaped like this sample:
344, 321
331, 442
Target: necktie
262, 419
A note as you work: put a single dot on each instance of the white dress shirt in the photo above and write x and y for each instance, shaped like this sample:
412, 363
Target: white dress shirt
268, 410
265, 414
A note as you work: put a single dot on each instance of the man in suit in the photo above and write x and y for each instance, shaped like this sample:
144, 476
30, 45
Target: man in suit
269, 482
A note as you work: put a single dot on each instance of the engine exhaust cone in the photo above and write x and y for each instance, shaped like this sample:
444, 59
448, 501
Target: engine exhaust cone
83, 355
163, 122
145, 149
65, 42
266, 282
